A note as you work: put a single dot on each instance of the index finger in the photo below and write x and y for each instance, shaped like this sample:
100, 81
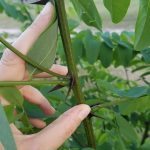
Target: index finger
54, 135
31, 34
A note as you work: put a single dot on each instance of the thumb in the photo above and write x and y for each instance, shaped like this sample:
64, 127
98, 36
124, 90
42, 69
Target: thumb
54, 135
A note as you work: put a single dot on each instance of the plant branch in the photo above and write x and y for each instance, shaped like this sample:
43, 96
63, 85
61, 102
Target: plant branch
33, 82
65, 34
109, 104
28, 60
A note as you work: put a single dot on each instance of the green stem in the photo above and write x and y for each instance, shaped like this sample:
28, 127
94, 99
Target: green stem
109, 104
33, 82
64, 31
28, 60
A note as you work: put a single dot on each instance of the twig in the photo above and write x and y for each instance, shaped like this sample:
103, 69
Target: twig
109, 104
33, 82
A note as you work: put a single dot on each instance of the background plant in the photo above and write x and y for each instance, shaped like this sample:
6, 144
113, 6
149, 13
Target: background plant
120, 114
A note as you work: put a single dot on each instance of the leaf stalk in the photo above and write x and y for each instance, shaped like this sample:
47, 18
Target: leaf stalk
33, 83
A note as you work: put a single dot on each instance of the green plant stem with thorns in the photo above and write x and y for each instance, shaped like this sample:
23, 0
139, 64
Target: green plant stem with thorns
65, 34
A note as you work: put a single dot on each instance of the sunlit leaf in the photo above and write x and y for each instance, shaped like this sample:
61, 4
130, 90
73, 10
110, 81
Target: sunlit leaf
88, 12
142, 30
117, 9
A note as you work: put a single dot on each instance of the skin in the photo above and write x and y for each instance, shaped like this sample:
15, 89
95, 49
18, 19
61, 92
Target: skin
51, 137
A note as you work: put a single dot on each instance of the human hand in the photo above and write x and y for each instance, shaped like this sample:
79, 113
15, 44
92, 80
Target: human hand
14, 68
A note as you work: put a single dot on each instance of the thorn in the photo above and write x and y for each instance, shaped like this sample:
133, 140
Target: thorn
70, 86
97, 116
43, 2
57, 87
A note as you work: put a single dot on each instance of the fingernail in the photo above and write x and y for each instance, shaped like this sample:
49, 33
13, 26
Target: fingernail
84, 112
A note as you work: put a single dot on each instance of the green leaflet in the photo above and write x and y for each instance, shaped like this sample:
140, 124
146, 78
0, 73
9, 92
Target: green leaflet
1, 8
88, 12
142, 29
44, 50
106, 55
73, 24
117, 9
9, 109
92, 47
33, 111
134, 92
6, 137
77, 45
13, 95
123, 55
126, 130
146, 55
138, 105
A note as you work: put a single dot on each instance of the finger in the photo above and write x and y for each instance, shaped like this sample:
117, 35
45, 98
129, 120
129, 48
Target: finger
37, 123
27, 39
3, 101
62, 70
30, 35
1, 146
34, 96
54, 135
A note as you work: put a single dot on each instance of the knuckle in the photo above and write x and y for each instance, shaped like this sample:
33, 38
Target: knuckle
9, 59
